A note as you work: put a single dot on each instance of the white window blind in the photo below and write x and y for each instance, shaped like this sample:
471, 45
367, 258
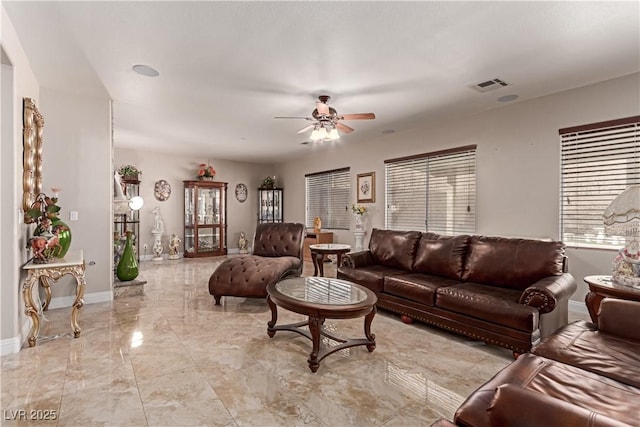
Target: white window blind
598, 162
327, 197
432, 192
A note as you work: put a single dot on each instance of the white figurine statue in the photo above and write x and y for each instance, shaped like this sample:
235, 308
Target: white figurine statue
174, 243
242, 243
158, 224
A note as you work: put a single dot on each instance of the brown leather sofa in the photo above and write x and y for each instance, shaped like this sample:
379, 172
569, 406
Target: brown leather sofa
583, 375
277, 254
508, 292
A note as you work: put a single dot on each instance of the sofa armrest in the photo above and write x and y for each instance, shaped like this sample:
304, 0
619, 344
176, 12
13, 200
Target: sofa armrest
358, 259
518, 407
546, 293
620, 317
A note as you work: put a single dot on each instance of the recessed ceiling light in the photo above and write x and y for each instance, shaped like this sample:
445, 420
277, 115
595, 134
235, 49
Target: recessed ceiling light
507, 98
145, 70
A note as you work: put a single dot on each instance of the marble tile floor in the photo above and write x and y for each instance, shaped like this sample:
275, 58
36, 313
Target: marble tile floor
173, 358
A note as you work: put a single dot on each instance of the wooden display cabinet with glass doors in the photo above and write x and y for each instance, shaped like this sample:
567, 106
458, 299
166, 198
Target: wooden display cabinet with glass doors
205, 218
271, 205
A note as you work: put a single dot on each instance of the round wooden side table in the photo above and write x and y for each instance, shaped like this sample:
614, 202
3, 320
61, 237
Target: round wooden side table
320, 250
601, 287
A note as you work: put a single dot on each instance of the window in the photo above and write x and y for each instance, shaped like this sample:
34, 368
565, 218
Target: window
327, 197
598, 162
432, 192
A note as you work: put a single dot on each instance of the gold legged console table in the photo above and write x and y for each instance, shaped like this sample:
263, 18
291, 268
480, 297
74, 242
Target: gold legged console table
73, 264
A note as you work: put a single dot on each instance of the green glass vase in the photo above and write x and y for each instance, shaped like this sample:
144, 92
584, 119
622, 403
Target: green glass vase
58, 228
128, 266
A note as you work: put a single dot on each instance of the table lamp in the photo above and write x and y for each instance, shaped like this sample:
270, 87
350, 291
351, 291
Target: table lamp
622, 218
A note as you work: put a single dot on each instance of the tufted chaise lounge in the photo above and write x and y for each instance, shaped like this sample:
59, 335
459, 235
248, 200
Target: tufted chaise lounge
277, 254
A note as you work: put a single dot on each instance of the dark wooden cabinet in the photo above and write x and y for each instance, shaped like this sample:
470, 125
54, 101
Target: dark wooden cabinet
270, 205
205, 218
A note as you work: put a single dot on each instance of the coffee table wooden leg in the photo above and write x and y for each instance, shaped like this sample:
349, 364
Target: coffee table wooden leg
314, 328
367, 329
318, 263
274, 318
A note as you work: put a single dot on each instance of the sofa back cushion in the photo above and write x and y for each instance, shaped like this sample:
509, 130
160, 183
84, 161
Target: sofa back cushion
441, 255
394, 248
513, 263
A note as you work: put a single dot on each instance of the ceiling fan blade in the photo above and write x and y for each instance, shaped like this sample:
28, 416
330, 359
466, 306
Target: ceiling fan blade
306, 128
323, 109
344, 128
358, 116
293, 117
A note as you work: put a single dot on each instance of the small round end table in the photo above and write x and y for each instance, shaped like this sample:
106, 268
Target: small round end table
601, 287
320, 250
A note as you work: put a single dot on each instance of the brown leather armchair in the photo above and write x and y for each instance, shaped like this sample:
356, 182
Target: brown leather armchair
277, 254
582, 375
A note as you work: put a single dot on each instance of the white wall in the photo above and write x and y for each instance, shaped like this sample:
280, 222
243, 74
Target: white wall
18, 82
76, 154
174, 169
518, 163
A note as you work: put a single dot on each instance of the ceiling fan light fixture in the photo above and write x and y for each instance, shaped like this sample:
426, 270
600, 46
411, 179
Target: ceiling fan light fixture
322, 133
315, 135
333, 134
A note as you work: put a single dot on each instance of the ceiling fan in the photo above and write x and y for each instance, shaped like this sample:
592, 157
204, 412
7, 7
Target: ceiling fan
327, 121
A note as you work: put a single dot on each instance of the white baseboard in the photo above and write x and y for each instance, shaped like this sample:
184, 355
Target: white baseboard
578, 307
92, 298
14, 344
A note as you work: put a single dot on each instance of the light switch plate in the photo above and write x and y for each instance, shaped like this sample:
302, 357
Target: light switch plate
73, 215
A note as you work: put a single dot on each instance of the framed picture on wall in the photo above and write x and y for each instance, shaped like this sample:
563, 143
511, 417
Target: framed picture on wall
366, 184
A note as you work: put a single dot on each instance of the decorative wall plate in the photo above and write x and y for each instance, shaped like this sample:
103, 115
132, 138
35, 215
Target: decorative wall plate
162, 190
241, 192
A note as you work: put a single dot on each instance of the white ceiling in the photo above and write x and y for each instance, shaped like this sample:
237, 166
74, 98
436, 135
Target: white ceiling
227, 68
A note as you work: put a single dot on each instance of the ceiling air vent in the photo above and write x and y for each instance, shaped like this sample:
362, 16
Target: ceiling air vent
489, 85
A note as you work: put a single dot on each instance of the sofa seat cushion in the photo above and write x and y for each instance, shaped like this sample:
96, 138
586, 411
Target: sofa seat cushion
512, 263
580, 344
441, 255
489, 303
371, 276
416, 287
556, 380
395, 249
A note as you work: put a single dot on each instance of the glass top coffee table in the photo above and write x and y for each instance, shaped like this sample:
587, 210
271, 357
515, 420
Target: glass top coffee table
322, 298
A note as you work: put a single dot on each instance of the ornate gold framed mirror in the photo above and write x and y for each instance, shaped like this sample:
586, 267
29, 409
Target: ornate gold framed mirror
33, 123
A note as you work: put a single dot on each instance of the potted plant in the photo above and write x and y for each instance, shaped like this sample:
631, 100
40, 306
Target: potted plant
129, 172
269, 183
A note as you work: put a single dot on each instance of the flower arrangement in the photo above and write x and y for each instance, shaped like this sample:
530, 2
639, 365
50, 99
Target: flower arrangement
358, 210
206, 171
44, 209
129, 171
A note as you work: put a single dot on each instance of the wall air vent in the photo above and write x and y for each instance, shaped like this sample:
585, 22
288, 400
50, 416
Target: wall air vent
489, 85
